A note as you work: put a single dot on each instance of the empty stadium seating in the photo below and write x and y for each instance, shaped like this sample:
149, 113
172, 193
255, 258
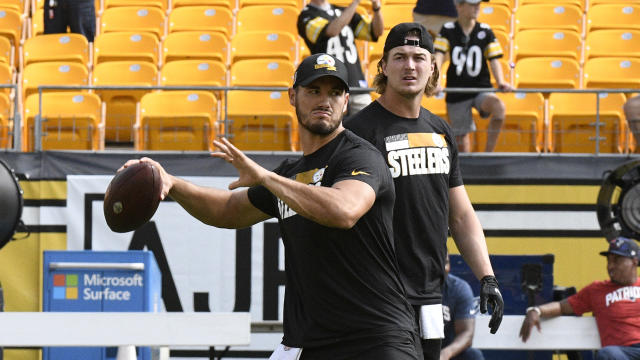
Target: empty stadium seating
263, 44
612, 42
202, 18
194, 73
205, 45
614, 16
544, 72
56, 47
121, 104
6, 120
70, 120
176, 120
523, 128
133, 18
496, 16
126, 45
573, 123
53, 73
547, 43
612, 72
262, 72
267, 18
262, 120
548, 16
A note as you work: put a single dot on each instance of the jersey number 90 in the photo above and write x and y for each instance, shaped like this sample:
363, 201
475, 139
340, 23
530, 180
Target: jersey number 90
471, 61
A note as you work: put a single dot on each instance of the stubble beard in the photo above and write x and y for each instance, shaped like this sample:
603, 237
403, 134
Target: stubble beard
319, 128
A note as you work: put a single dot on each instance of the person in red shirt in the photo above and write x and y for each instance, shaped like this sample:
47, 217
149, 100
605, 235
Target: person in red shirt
615, 304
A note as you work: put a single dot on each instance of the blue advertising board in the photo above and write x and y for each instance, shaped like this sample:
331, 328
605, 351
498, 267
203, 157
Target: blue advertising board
100, 281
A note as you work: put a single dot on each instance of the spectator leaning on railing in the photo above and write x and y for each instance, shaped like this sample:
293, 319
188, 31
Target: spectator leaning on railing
470, 45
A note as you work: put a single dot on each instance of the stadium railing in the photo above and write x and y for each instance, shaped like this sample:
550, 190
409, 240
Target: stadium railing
225, 122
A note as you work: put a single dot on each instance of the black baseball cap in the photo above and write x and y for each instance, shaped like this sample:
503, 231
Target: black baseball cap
397, 37
317, 66
624, 247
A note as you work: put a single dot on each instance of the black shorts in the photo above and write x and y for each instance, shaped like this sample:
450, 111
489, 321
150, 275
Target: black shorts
397, 346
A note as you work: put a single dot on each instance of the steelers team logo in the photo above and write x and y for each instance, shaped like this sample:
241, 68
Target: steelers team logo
482, 35
325, 60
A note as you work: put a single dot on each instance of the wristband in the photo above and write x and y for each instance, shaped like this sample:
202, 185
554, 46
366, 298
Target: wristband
376, 9
533, 308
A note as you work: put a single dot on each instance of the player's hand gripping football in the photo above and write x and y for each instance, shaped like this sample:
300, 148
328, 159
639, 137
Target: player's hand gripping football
490, 294
167, 180
250, 173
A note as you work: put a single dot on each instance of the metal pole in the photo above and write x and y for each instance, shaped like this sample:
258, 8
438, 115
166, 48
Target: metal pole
598, 123
37, 127
17, 121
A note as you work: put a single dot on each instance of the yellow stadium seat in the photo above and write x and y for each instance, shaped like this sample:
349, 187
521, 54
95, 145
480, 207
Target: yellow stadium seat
16, 5
523, 129
11, 27
53, 73
202, 18
71, 121
184, 45
544, 72
121, 104
436, 105
294, 3
194, 73
614, 16
376, 48
6, 121
6, 52
37, 23
133, 18
579, 3
572, 122
614, 42
267, 18
6, 77
262, 72
126, 46
160, 4
496, 16
397, 13
547, 43
176, 120
231, 4
612, 72
56, 47
263, 44
262, 120
597, 2
548, 16
372, 71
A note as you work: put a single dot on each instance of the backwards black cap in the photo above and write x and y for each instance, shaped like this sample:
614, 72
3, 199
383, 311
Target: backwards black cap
397, 37
319, 65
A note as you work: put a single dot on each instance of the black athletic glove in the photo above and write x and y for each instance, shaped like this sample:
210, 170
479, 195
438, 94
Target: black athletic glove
489, 293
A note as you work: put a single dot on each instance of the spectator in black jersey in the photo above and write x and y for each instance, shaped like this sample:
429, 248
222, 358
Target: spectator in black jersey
331, 29
432, 14
632, 114
344, 298
78, 15
430, 197
470, 45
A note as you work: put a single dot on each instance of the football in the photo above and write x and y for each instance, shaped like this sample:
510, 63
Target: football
132, 197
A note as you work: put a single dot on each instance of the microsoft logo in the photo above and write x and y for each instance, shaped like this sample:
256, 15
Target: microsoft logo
65, 286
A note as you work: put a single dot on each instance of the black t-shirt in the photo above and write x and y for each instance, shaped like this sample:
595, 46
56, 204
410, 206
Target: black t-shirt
469, 56
423, 158
341, 284
312, 25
